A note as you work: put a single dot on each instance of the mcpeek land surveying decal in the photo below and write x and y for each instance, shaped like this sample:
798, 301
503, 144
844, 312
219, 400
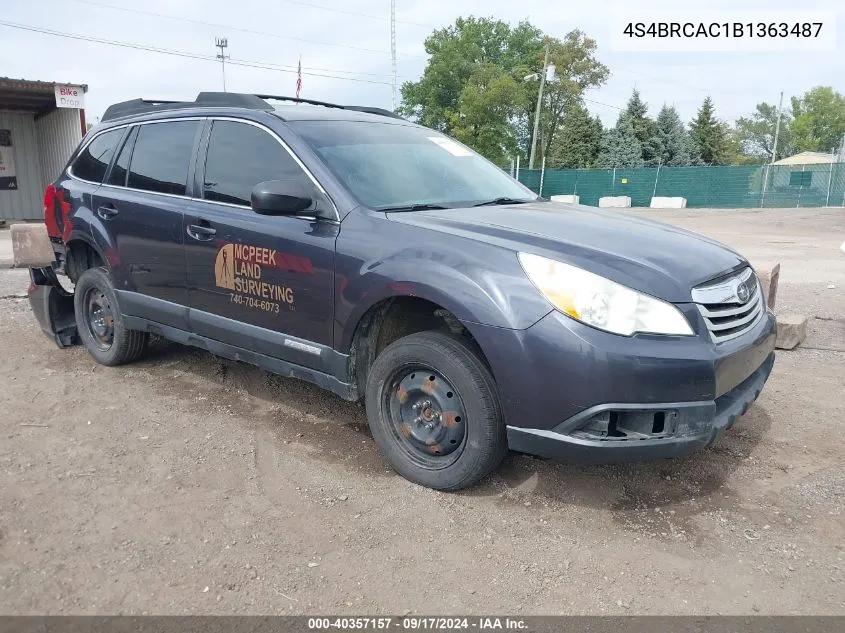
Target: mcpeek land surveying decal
241, 267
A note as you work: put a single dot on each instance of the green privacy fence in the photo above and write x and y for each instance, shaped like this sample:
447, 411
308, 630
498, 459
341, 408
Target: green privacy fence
745, 186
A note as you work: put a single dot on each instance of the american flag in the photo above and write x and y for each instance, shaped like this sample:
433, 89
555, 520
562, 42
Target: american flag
298, 77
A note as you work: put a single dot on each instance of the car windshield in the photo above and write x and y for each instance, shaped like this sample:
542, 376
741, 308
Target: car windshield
407, 168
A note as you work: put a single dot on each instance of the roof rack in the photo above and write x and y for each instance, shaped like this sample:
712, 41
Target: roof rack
226, 100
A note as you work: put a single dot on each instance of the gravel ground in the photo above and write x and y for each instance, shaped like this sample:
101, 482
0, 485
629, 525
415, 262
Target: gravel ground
187, 484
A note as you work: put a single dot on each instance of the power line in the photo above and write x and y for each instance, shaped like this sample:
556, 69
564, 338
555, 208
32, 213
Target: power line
357, 13
229, 27
167, 51
601, 103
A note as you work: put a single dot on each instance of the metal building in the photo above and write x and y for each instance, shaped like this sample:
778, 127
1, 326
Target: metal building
41, 123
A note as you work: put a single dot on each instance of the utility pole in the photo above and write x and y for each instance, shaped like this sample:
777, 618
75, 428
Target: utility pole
774, 152
393, 48
222, 43
777, 129
537, 111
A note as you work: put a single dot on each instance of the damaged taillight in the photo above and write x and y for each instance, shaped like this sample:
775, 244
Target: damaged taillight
56, 213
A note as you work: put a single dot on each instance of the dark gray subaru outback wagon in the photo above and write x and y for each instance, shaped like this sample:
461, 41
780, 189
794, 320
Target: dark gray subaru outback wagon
382, 260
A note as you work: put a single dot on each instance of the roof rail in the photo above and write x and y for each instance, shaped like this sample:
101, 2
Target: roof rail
224, 100
204, 99
367, 109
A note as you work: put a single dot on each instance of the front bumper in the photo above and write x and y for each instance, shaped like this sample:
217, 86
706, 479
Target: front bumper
575, 393
702, 423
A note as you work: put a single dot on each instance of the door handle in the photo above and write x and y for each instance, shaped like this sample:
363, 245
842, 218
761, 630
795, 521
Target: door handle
201, 233
107, 212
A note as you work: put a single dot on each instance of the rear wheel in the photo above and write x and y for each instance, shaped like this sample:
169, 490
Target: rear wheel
99, 323
433, 408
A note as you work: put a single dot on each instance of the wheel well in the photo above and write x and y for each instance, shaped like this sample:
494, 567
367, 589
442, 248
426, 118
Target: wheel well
80, 256
390, 320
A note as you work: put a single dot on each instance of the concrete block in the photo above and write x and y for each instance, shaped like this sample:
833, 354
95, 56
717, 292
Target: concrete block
660, 202
769, 275
615, 202
31, 246
792, 330
567, 199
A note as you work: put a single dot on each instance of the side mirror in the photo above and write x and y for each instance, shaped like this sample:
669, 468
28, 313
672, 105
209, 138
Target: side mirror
282, 197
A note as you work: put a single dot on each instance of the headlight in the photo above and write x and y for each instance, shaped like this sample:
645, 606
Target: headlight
600, 302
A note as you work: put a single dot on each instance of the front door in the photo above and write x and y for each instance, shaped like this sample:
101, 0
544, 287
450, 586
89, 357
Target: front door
264, 283
142, 202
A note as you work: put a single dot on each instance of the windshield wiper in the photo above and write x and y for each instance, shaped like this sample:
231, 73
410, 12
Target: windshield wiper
415, 207
502, 200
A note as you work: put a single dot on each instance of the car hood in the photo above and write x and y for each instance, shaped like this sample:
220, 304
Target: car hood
652, 257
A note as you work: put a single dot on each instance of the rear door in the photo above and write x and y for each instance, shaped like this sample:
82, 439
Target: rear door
264, 283
142, 202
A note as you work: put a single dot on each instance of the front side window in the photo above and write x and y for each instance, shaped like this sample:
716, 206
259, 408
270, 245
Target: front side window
162, 156
93, 161
239, 157
388, 165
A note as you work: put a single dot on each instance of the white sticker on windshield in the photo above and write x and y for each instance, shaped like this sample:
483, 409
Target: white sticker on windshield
455, 149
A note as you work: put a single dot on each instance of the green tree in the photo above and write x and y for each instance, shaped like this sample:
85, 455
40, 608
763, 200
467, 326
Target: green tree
458, 52
620, 146
476, 73
756, 133
819, 121
579, 140
486, 106
671, 145
637, 111
709, 136
735, 153
576, 70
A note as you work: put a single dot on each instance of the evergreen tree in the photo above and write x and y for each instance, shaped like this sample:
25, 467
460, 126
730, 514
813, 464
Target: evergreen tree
671, 145
620, 146
636, 110
579, 139
709, 135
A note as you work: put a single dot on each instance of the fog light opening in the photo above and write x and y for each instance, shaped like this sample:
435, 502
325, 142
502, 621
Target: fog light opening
659, 422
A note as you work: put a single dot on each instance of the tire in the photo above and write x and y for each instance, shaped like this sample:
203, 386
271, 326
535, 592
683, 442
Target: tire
109, 341
461, 396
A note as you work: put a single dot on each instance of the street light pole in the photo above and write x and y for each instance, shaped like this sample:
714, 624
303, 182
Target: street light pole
537, 111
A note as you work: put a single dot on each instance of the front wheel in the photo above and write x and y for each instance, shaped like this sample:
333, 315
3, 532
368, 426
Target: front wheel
99, 322
434, 410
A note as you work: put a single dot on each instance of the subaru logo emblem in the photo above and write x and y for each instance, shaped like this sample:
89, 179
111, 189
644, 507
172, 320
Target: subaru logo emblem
742, 292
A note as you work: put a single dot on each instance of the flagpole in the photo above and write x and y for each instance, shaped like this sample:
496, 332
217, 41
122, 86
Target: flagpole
299, 77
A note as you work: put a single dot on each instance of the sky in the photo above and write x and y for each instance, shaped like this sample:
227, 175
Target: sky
344, 47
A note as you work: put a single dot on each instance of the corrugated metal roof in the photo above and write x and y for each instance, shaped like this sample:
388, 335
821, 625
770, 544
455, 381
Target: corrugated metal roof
25, 95
807, 158
34, 85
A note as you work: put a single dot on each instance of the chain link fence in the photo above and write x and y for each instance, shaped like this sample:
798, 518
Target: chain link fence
744, 186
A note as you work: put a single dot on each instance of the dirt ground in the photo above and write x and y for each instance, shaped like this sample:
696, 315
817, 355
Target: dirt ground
185, 484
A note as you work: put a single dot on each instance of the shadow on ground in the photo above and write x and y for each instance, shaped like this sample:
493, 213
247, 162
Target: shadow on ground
661, 496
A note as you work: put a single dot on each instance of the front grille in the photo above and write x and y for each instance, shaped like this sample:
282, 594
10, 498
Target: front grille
720, 303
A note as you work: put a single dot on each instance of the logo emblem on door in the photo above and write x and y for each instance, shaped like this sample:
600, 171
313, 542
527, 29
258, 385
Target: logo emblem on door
224, 271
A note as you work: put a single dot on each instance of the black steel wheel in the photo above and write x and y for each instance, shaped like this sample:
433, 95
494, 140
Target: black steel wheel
99, 318
428, 416
434, 410
99, 322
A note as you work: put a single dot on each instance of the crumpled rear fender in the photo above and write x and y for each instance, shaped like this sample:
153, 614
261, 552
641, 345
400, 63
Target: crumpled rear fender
53, 307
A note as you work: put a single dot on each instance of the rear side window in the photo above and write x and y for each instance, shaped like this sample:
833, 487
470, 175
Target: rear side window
121, 165
239, 157
92, 162
162, 156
